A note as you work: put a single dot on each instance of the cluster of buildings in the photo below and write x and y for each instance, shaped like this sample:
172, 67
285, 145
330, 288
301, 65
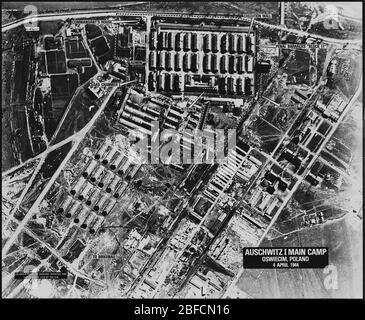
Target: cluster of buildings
73, 29
140, 247
138, 113
217, 61
99, 86
292, 159
98, 43
77, 55
313, 219
180, 115
238, 163
321, 172
94, 193
79, 64
265, 197
333, 109
227, 249
192, 61
118, 69
312, 131
299, 96
155, 279
139, 116
207, 285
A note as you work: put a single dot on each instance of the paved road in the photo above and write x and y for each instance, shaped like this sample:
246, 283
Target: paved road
35, 207
200, 225
41, 155
77, 138
115, 13
49, 149
307, 34
84, 37
231, 287
111, 13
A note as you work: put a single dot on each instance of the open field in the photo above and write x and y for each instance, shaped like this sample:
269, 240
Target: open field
344, 239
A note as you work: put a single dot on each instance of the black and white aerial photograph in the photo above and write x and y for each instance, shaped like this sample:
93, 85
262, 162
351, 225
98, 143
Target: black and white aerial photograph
182, 150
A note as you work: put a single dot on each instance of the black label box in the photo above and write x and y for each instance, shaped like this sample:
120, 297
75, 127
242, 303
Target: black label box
285, 257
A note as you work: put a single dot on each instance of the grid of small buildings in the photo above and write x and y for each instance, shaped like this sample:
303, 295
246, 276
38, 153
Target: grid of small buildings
311, 134
241, 164
139, 113
94, 193
191, 61
264, 198
237, 163
138, 116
